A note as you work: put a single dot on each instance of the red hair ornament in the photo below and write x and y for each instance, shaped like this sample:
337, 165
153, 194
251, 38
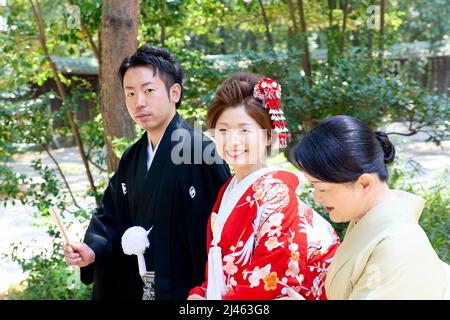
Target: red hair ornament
269, 92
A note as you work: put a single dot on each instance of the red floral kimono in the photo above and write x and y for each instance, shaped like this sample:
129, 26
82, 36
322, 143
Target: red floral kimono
267, 240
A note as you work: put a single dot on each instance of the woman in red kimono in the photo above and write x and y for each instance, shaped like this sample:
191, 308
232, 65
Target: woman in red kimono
262, 239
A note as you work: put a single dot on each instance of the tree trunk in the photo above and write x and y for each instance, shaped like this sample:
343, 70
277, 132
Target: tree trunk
344, 27
162, 20
306, 61
370, 36
120, 20
330, 38
62, 92
266, 24
294, 20
330, 13
382, 29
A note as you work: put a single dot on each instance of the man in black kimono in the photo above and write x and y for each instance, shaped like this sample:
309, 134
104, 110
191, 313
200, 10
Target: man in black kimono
151, 188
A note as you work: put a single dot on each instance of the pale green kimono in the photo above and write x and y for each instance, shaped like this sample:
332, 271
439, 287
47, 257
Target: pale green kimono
387, 255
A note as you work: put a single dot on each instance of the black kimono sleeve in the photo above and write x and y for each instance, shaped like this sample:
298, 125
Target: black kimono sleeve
102, 234
101, 230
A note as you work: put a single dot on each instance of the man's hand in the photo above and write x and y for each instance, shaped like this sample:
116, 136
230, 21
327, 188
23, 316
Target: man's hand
78, 254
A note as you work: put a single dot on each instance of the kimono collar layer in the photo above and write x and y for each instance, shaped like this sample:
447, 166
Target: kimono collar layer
407, 207
230, 198
215, 288
150, 151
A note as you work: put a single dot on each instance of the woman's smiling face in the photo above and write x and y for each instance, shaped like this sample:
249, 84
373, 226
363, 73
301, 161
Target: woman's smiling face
240, 140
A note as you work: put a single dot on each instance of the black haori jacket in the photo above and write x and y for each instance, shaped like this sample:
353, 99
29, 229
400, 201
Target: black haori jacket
176, 199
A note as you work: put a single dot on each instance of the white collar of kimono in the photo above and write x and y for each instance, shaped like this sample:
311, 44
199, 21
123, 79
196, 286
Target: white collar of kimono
150, 151
231, 196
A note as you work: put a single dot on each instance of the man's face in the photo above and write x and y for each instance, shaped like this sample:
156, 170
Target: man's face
147, 99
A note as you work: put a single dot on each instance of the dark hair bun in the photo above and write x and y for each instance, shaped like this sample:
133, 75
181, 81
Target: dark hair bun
388, 148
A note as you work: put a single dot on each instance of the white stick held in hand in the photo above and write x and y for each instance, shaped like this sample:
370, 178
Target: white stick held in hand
58, 221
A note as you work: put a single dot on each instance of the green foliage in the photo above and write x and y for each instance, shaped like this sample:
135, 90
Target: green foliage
92, 135
8, 133
31, 123
49, 277
120, 144
183, 20
424, 20
202, 79
354, 86
42, 193
435, 220
91, 14
26, 121
11, 184
22, 56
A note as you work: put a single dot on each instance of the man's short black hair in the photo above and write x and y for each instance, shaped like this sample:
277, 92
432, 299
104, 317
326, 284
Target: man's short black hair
163, 63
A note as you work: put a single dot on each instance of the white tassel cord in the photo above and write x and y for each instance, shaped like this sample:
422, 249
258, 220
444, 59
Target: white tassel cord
216, 279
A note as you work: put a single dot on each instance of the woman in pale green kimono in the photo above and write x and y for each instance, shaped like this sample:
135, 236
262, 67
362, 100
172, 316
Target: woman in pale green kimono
385, 253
